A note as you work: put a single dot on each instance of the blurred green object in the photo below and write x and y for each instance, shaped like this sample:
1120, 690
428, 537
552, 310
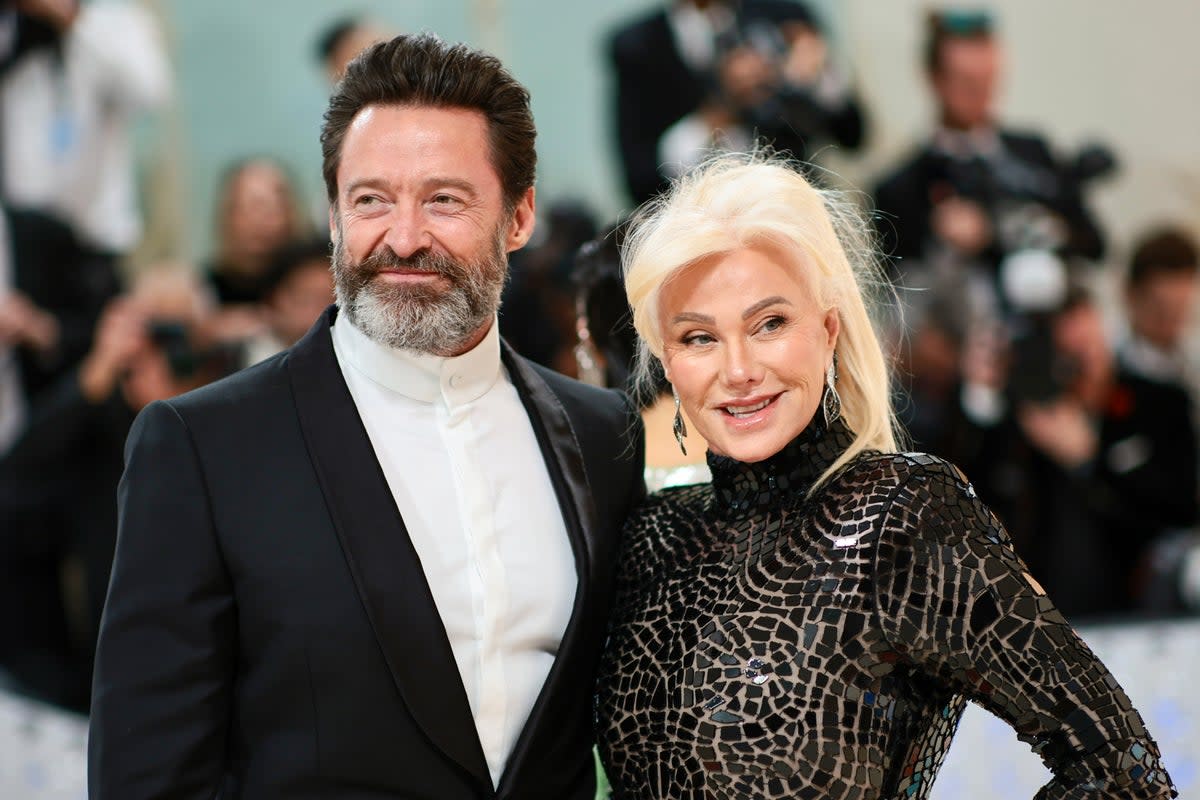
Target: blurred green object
603, 790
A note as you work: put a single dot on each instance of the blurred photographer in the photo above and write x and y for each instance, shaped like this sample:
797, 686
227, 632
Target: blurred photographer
1087, 463
977, 192
701, 75
58, 483
1160, 300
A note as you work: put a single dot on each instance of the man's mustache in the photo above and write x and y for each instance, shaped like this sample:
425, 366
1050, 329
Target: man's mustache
420, 261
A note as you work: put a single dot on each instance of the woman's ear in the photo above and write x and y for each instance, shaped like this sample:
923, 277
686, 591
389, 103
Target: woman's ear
833, 326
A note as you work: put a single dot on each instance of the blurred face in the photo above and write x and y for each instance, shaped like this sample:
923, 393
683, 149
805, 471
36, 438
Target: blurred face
420, 229
965, 82
1080, 336
295, 305
1160, 310
351, 45
258, 212
746, 346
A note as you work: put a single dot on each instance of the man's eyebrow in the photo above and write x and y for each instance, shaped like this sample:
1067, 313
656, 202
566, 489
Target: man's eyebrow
428, 183
765, 303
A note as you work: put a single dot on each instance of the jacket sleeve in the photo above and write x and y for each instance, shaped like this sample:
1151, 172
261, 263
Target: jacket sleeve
958, 604
165, 660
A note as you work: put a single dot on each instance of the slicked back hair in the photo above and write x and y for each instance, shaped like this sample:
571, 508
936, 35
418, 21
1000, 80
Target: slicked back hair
424, 70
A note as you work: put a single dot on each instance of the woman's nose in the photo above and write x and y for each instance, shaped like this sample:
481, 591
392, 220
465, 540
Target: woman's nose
741, 367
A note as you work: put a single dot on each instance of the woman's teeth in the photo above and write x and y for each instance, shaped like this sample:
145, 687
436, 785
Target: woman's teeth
745, 411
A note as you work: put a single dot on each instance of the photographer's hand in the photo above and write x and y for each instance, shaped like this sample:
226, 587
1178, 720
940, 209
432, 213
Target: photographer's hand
963, 224
120, 337
24, 324
1062, 430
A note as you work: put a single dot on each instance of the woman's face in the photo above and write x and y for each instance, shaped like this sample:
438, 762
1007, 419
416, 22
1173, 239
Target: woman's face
746, 346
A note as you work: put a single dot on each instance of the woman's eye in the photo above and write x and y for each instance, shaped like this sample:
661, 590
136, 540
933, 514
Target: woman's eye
697, 339
772, 324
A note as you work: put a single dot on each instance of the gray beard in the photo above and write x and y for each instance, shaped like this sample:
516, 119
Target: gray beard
420, 318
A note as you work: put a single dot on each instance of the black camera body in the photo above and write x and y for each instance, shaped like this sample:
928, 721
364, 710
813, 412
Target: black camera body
184, 359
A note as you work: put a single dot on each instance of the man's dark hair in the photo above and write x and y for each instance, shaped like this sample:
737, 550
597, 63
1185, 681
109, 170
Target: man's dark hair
424, 70
944, 26
334, 34
1165, 251
292, 257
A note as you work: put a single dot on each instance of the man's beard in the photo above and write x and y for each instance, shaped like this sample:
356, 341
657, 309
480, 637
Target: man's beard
419, 316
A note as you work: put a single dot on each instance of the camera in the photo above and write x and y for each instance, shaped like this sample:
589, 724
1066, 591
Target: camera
184, 359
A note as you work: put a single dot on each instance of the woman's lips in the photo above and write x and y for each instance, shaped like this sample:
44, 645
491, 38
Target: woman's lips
749, 412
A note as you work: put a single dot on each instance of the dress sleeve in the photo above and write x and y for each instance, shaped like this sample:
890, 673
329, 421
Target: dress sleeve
958, 605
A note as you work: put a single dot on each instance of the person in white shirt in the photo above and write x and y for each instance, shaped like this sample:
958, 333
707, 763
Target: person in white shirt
67, 114
380, 563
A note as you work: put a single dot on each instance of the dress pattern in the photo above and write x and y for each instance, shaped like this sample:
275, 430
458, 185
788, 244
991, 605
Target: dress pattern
769, 642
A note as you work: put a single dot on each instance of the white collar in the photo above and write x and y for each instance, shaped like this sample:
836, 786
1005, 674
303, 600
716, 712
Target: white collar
457, 380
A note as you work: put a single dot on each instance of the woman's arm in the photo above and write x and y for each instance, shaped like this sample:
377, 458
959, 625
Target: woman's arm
958, 604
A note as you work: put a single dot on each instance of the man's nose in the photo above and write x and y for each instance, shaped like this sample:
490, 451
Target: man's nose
407, 231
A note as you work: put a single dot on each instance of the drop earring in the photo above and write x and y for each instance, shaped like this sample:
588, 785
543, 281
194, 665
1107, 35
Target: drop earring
679, 426
831, 404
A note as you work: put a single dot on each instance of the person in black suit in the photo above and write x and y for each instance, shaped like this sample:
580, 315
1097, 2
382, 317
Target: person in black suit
975, 190
58, 481
52, 290
380, 563
754, 65
1088, 464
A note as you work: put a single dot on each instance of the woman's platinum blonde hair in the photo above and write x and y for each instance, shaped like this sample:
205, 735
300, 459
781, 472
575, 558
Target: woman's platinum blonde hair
739, 201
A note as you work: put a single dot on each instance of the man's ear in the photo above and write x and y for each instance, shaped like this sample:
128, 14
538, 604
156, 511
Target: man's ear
524, 216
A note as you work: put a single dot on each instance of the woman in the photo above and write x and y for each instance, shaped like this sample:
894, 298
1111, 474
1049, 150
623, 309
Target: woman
605, 356
812, 623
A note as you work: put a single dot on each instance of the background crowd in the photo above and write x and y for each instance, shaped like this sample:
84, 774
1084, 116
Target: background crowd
1055, 368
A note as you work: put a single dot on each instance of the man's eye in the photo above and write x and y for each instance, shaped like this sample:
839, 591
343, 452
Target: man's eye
366, 200
444, 199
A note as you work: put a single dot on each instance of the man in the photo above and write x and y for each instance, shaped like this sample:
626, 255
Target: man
378, 564
976, 191
1160, 298
701, 73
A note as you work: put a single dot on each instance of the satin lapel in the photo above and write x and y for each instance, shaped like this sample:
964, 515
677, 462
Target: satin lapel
387, 571
564, 461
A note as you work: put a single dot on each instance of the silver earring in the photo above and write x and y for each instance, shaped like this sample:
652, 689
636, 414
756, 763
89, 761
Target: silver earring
831, 404
680, 427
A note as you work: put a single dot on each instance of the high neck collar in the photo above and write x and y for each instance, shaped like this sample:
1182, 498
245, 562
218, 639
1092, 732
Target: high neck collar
454, 381
740, 488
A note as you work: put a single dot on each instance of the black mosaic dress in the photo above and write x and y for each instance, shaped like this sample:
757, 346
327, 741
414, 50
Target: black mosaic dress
769, 646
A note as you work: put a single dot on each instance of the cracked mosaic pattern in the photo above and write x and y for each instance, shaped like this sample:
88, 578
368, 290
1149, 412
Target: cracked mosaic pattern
769, 646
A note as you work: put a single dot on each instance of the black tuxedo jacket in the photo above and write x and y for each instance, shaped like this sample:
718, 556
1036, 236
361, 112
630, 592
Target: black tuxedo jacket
269, 631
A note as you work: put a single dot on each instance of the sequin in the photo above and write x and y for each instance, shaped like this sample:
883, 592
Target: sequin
770, 645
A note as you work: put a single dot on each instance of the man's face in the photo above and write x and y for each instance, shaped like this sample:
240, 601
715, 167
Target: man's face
965, 81
1160, 310
420, 229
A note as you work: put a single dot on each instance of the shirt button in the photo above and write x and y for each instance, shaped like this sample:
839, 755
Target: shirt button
455, 381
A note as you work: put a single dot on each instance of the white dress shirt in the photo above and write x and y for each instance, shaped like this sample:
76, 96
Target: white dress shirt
470, 481
68, 124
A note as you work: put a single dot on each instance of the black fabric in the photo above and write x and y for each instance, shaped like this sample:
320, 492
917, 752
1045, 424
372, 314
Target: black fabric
269, 630
773, 642
58, 483
63, 277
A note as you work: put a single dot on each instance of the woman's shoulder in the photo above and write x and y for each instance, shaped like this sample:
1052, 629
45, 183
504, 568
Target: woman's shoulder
913, 493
